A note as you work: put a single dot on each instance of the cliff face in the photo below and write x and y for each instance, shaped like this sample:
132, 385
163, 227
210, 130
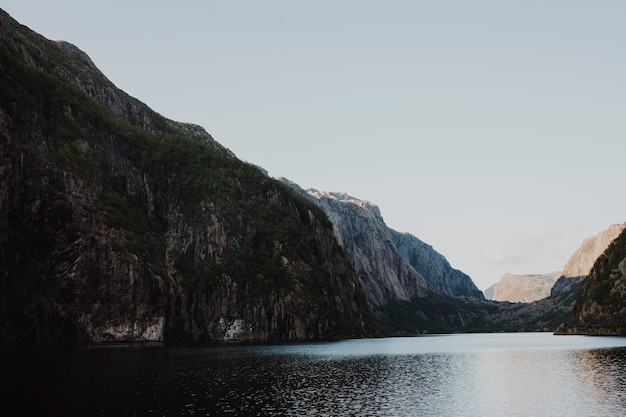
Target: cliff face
601, 305
359, 228
580, 263
434, 267
119, 224
392, 266
516, 288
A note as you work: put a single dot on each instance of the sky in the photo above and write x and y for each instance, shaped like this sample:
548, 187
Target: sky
492, 130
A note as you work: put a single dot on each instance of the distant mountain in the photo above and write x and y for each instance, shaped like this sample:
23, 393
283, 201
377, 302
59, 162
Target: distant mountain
580, 263
361, 231
434, 267
522, 288
392, 266
531, 287
410, 287
117, 224
378, 252
601, 304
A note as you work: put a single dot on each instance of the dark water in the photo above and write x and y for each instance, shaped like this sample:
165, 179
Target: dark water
455, 375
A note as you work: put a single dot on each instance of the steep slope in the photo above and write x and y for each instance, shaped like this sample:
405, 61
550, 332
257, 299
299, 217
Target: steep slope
392, 266
119, 224
520, 288
434, 267
580, 263
360, 229
601, 304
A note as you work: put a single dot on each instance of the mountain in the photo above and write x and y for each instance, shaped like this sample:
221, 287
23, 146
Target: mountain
434, 267
545, 314
392, 266
404, 300
533, 287
522, 288
361, 231
601, 304
119, 224
580, 263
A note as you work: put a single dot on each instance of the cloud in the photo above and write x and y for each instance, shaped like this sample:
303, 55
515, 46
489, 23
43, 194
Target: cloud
536, 244
502, 256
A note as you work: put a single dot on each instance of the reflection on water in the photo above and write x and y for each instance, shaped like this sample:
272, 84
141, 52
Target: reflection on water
460, 375
605, 370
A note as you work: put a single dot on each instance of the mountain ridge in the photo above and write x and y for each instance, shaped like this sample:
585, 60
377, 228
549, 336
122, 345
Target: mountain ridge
117, 224
360, 228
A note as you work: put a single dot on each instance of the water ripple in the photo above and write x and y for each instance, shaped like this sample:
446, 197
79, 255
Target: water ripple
461, 375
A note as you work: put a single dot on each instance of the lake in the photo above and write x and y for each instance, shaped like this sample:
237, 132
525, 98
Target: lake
516, 374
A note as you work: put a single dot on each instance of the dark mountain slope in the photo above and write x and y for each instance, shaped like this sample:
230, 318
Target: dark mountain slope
119, 224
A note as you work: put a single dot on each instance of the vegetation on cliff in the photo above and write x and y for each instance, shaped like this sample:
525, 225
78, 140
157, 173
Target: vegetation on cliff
119, 224
601, 304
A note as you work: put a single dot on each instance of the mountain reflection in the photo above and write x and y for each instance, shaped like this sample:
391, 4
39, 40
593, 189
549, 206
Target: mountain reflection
458, 375
605, 371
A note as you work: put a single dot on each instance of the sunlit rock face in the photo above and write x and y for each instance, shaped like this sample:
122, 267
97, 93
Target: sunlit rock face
516, 288
580, 263
531, 287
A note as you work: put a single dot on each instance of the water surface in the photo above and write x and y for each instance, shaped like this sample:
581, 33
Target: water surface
527, 374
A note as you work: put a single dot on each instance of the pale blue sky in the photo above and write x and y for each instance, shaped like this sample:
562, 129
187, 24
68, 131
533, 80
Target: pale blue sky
492, 130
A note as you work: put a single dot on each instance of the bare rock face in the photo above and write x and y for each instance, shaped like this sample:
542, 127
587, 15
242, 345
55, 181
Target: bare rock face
522, 288
360, 229
580, 263
435, 267
391, 266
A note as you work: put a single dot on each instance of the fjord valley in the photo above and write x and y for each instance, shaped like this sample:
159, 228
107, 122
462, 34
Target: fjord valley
532, 287
127, 226
120, 225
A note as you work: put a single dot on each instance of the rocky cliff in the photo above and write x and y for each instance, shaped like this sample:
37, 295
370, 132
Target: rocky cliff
520, 288
434, 267
601, 304
119, 224
360, 229
580, 263
392, 266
